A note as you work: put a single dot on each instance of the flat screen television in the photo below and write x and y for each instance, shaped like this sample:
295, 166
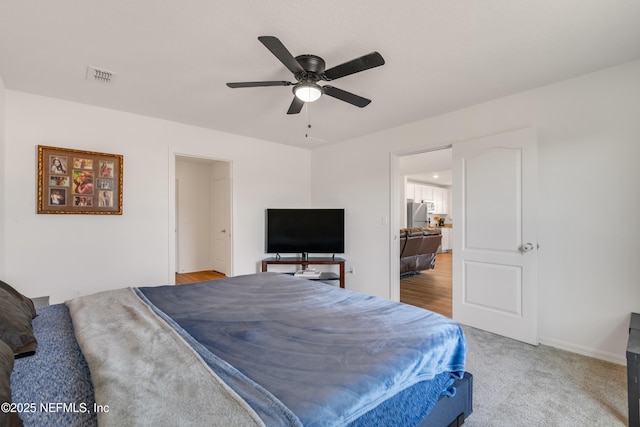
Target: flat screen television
304, 231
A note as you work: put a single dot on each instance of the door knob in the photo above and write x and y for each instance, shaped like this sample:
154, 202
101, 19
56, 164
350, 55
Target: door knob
223, 231
527, 247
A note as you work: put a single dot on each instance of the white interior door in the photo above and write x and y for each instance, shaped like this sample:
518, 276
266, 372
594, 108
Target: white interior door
177, 223
221, 232
495, 242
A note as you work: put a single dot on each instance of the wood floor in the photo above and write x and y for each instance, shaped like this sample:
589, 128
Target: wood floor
197, 276
431, 289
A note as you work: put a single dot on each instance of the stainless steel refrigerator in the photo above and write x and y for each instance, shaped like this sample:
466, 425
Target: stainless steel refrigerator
418, 214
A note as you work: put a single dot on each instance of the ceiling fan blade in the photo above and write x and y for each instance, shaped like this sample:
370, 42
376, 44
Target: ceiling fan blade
277, 48
296, 106
259, 84
372, 60
345, 96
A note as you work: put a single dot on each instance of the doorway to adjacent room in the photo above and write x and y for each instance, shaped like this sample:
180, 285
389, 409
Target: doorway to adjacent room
203, 233
421, 173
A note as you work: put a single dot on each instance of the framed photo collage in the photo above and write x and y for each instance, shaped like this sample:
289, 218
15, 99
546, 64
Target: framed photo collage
79, 182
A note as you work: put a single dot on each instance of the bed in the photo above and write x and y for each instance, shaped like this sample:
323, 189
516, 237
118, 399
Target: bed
265, 349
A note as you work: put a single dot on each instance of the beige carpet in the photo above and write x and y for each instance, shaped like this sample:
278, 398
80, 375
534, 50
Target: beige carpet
516, 384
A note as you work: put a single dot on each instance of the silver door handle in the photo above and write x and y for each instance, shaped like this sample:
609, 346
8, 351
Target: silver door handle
527, 247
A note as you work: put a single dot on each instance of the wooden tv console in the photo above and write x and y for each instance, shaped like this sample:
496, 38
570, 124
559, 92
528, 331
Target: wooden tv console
310, 261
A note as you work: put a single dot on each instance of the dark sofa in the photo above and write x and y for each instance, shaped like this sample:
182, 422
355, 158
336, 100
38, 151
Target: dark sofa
418, 247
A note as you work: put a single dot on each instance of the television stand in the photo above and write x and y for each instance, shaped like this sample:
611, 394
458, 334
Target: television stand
304, 262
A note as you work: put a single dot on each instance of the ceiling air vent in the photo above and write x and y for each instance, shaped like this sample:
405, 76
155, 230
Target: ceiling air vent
100, 75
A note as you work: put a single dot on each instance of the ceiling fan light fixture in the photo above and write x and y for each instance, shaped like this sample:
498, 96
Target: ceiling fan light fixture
307, 92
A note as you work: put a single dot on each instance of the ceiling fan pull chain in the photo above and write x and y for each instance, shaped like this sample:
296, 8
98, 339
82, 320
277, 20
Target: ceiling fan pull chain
306, 135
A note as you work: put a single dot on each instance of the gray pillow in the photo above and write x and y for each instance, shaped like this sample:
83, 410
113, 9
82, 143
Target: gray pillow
7, 419
16, 313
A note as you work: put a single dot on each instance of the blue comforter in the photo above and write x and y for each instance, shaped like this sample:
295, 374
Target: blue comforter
327, 354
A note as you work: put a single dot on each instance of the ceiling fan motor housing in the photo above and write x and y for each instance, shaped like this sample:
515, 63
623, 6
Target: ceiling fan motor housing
313, 68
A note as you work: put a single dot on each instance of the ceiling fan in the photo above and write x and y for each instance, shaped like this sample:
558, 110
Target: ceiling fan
308, 70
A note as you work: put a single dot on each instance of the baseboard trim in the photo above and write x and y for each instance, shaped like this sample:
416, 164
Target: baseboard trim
585, 351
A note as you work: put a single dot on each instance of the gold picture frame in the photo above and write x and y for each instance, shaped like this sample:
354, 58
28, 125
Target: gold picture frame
79, 182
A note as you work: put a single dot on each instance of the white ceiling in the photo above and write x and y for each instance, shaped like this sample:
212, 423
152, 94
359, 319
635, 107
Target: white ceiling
430, 167
173, 58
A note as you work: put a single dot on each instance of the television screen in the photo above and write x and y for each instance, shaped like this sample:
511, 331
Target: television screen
305, 230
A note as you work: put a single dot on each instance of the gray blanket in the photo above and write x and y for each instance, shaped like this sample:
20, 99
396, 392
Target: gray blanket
144, 373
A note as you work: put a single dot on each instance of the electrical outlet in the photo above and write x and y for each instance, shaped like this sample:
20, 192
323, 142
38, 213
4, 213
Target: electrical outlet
352, 270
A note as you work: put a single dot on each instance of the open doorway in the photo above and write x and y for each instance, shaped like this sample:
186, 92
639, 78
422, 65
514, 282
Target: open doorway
202, 219
425, 181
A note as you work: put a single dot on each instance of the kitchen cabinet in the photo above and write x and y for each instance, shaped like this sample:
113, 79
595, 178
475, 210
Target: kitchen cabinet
426, 193
447, 238
423, 193
438, 199
410, 192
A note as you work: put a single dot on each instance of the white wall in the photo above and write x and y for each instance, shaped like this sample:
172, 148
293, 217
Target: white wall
589, 146
355, 179
2, 179
59, 255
